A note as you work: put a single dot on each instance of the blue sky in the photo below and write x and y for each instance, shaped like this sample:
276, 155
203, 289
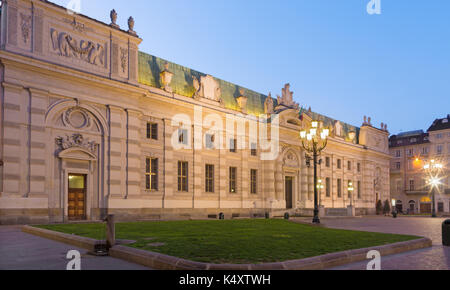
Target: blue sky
341, 61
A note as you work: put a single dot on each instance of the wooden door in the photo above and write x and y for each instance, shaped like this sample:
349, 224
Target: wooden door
289, 189
425, 208
77, 197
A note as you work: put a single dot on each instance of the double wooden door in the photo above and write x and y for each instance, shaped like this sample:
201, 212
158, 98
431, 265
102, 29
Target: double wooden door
77, 197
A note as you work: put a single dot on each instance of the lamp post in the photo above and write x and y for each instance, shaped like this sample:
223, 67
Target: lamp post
314, 142
433, 169
350, 192
319, 188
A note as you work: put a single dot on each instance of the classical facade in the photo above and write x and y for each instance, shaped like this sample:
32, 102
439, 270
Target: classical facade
90, 125
409, 182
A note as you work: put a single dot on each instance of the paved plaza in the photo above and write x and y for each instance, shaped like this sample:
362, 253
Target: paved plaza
435, 258
21, 251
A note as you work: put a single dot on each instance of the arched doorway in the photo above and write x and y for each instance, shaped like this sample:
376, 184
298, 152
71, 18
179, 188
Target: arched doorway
412, 207
399, 206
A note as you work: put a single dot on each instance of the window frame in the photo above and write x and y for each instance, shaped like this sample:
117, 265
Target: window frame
232, 178
209, 178
183, 176
151, 174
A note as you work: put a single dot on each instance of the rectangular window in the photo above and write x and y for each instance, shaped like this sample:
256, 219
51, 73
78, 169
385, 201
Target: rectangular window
411, 185
439, 136
152, 131
327, 162
410, 152
183, 136
209, 178
210, 139
233, 175
339, 187
398, 154
328, 187
254, 150
339, 164
151, 174
233, 145
440, 207
183, 176
358, 167
398, 165
425, 150
253, 181
439, 149
359, 189
349, 165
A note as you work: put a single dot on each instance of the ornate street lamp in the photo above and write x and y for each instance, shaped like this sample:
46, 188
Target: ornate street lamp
314, 142
433, 169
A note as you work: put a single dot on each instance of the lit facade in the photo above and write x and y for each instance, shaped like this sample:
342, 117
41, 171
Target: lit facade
90, 125
409, 182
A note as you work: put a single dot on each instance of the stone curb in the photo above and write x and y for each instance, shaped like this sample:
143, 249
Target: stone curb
81, 242
164, 262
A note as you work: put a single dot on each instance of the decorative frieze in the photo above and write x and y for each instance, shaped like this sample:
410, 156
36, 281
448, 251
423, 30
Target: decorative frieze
67, 46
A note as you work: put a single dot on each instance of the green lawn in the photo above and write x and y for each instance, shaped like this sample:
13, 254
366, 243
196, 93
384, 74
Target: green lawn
236, 241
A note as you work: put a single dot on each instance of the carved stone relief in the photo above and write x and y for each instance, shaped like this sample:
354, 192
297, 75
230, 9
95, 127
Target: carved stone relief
75, 140
67, 46
208, 88
25, 25
124, 59
290, 160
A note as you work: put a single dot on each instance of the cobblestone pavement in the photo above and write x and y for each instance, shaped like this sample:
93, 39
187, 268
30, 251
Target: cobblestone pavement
21, 251
435, 258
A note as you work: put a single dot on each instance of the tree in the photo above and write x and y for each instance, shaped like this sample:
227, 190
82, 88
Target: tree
387, 208
379, 207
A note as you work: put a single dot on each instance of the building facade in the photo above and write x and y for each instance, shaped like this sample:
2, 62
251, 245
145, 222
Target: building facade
90, 125
409, 183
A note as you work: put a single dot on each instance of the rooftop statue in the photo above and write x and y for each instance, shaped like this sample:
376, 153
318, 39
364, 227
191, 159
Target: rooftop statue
287, 98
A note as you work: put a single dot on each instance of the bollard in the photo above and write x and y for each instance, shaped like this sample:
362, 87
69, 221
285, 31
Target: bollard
446, 233
110, 232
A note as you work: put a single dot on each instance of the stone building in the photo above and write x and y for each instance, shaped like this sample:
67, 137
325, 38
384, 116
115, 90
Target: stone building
409, 183
90, 125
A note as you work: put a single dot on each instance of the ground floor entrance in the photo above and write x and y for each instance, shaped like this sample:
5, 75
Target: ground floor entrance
77, 197
425, 208
289, 183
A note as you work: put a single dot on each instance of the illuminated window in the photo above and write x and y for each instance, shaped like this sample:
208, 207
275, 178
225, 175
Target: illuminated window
151, 174
233, 175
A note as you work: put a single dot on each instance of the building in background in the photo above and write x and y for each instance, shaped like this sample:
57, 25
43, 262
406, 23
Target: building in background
90, 125
409, 183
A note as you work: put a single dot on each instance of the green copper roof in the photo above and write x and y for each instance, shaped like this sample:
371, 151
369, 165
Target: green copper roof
150, 68
329, 122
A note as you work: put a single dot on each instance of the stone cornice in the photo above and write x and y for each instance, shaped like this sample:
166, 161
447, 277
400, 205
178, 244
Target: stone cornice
28, 63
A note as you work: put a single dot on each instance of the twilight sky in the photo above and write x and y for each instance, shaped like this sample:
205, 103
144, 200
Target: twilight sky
341, 61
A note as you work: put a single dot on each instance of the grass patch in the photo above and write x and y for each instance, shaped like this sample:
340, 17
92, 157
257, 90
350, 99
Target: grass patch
236, 241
